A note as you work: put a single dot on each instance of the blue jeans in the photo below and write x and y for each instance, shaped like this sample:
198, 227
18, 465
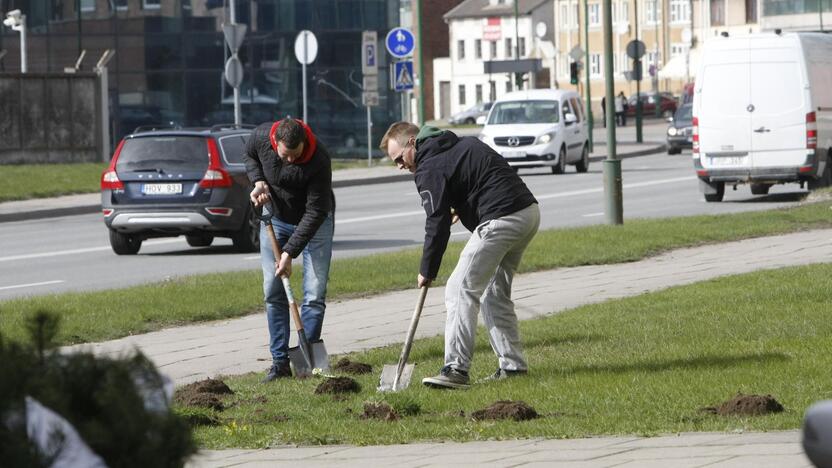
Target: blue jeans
316, 257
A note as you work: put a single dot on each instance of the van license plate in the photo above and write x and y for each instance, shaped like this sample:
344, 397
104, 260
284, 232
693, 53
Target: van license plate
514, 154
162, 189
727, 161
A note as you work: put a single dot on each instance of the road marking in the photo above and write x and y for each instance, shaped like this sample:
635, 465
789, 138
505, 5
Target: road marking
252, 257
377, 217
601, 189
591, 215
31, 285
76, 251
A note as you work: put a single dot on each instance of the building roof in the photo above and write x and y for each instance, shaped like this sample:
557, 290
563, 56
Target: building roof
482, 9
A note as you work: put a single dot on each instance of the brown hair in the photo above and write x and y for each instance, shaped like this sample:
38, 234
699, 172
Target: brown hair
399, 131
291, 133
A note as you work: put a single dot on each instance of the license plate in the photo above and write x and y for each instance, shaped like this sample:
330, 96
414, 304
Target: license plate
162, 189
728, 161
514, 154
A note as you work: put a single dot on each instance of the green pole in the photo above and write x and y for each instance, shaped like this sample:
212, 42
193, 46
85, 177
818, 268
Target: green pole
658, 99
517, 75
420, 63
612, 165
588, 88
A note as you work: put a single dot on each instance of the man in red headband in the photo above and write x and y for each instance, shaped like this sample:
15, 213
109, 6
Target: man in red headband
292, 175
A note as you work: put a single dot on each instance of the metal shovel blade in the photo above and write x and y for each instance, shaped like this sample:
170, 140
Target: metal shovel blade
388, 381
320, 359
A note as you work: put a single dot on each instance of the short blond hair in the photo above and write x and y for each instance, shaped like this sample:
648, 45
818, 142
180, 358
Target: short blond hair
399, 131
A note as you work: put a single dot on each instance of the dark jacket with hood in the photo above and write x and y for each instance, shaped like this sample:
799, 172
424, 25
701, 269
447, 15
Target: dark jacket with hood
467, 175
302, 191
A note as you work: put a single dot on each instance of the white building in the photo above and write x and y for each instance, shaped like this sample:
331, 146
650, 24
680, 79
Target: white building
487, 30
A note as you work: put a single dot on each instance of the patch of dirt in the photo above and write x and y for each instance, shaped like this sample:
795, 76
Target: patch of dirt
196, 419
381, 411
506, 409
335, 385
352, 367
747, 405
258, 400
203, 394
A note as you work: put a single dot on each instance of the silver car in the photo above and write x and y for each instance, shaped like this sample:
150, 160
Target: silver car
471, 115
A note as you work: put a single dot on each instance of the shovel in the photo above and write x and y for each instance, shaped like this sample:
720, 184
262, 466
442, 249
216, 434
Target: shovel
395, 378
307, 356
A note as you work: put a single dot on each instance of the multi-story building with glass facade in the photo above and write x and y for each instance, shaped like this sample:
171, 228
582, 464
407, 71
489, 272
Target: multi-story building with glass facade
170, 58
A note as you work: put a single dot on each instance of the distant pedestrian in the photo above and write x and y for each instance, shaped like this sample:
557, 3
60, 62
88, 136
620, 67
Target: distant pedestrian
620, 118
464, 177
604, 110
292, 172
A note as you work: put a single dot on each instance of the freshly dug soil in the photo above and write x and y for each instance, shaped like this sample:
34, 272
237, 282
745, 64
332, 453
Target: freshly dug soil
381, 411
203, 394
506, 409
338, 385
351, 367
195, 419
747, 405
212, 386
202, 400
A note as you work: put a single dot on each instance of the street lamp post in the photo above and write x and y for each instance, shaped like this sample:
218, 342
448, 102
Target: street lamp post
612, 165
17, 21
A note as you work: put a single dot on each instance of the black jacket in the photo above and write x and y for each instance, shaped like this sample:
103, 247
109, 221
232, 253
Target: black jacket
467, 175
301, 193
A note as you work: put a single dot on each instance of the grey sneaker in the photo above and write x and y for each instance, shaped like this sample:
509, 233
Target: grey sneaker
448, 378
503, 374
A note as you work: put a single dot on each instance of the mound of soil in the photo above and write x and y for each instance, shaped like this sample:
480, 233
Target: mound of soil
203, 394
381, 411
747, 405
506, 409
337, 385
352, 367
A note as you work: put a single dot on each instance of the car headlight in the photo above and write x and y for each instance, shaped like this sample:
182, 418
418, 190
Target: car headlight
543, 139
671, 131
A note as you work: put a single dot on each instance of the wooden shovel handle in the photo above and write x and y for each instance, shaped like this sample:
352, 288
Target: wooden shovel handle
293, 306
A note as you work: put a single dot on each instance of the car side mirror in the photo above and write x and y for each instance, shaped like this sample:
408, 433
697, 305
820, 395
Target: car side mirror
570, 118
670, 119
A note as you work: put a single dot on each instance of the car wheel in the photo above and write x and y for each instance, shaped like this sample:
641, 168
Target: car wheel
470, 121
720, 193
583, 164
760, 189
560, 167
247, 239
124, 244
825, 180
199, 240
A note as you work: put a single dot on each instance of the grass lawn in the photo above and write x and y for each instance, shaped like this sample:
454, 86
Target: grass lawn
644, 365
25, 181
104, 315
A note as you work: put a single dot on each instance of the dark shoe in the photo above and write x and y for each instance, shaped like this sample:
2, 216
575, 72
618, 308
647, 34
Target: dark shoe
448, 378
279, 370
503, 374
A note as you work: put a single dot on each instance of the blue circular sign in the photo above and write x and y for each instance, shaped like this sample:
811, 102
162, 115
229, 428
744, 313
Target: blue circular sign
400, 42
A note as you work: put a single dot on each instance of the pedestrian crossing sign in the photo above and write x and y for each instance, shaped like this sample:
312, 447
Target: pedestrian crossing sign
403, 75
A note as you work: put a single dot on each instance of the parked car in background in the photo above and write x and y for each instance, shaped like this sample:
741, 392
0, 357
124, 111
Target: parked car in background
539, 127
167, 183
680, 130
469, 116
668, 105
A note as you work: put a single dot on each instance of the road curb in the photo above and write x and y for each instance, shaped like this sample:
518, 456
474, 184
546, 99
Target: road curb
87, 209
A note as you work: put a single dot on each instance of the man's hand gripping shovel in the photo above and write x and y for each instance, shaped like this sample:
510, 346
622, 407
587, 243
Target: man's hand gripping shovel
308, 356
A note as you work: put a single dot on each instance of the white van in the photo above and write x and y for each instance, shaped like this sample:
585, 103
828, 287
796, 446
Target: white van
762, 112
539, 127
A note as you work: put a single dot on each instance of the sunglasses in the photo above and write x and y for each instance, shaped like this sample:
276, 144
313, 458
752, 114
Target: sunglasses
399, 160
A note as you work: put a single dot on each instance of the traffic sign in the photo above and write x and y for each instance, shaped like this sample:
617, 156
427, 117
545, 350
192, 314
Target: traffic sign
234, 71
306, 47
636, 49
369, 98
370, 83
234, 35
576, 53
369, 54
403, 75
400, 42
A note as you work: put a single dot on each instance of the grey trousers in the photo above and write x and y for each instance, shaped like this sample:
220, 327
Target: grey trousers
481, 281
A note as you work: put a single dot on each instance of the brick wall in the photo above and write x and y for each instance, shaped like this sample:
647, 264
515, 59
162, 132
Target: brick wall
434, 43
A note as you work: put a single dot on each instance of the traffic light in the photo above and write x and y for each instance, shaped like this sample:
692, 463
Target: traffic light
573, 73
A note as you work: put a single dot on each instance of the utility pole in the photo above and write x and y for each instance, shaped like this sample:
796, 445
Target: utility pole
420, 63
517, 75
657, 98
588, 86
612, 165
638, 66
238, 119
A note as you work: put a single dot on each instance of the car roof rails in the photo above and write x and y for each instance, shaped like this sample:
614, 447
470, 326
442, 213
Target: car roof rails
150, 128
231, 126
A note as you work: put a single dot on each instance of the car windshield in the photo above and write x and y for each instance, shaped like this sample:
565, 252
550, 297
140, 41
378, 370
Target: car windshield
163, 153
684, 114
524, 112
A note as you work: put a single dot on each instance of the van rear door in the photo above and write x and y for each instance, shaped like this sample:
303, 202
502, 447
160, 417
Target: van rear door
724, 95
778, 120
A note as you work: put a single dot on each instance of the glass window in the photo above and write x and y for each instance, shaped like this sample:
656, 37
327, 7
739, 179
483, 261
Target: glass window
625, 12
595, 64
233, 147
492, 92
460, 49
87, 6
524, 112
461, 95
509, 52
564, 16
478, 93
493, 50
652, 11
478, 48
717, 12
521, 42
168, 153
594, 14
679, 11
151, 4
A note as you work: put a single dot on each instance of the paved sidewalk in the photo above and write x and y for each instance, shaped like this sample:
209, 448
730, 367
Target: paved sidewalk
712, 450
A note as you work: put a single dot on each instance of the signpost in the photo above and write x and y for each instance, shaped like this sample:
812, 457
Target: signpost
306, 49
403, 75
234, 35
636, 50
400, 42
369, 95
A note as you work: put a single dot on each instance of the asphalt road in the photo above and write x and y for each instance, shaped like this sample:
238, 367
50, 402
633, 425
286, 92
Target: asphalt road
73, 254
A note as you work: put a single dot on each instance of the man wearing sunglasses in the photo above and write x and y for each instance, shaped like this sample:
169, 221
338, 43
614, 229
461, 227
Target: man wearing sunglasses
464, 177
292, 176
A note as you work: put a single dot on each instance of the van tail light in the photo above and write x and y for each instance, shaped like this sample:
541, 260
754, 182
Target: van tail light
109, 178
107, 212
696, 136
219, 211
811, 131
215, 176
